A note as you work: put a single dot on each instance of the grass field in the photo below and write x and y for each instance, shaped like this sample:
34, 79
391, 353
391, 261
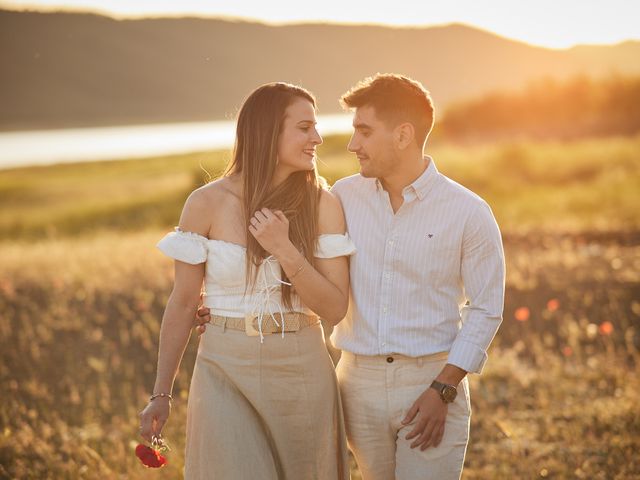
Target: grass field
82, 290
573, 186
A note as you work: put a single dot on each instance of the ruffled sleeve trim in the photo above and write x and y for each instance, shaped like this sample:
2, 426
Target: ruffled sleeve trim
187, 247
331, 245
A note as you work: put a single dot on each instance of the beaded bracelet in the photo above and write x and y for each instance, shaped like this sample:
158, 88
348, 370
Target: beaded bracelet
156, 395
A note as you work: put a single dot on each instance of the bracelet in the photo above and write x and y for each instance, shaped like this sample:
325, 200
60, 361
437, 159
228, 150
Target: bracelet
300, 268
156, 395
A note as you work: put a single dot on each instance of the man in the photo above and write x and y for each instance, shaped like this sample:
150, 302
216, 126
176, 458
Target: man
427, 289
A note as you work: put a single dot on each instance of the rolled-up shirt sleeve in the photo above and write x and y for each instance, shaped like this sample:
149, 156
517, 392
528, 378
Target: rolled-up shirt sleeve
483, 277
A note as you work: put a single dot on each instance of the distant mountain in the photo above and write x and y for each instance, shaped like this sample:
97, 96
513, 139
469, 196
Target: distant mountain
74, 69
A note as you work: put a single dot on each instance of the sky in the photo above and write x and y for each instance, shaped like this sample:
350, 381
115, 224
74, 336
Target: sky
547, 23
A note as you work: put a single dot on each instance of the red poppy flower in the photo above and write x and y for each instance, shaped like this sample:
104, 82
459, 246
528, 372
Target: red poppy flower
150, 457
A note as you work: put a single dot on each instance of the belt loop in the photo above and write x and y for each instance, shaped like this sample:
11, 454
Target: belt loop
224, 324
420, 361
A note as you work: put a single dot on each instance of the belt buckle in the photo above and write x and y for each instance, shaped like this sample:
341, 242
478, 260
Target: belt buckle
249, 327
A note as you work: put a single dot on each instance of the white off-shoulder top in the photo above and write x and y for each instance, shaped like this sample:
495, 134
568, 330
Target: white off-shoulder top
225, 276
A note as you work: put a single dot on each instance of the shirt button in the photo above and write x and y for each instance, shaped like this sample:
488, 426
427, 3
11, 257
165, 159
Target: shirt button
390, 242
389, 359
384, 310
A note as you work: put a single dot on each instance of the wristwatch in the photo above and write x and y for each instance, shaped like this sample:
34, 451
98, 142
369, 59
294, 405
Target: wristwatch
447, 392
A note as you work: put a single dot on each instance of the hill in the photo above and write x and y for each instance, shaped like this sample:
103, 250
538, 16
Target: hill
76, 69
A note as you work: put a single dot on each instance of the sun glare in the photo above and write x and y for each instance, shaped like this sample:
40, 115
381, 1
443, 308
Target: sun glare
546, 23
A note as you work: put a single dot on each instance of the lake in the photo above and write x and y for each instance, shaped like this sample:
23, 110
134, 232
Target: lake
45, 147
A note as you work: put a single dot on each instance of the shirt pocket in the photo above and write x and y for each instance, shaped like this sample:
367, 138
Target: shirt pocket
432, 259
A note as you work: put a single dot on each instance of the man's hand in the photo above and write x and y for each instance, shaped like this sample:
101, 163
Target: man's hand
432, 413
202, 318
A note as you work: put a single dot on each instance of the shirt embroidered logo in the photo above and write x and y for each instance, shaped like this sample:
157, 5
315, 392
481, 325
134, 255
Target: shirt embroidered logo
430, 235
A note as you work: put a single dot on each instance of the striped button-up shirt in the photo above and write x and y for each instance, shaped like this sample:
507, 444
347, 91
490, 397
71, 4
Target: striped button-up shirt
427, 279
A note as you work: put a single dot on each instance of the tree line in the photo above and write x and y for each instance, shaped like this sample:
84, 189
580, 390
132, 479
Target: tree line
548, 109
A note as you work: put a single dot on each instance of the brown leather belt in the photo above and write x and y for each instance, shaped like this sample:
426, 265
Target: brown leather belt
293, 321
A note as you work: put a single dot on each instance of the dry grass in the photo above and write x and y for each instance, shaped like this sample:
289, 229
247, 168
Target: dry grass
532, 187
79, 322
82, 290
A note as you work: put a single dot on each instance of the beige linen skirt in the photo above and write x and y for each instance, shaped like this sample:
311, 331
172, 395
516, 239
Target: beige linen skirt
267, 411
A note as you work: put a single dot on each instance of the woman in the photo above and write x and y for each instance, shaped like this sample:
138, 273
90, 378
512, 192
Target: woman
270, 243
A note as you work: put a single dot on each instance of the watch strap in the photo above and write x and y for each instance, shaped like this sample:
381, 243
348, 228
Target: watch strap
440, 387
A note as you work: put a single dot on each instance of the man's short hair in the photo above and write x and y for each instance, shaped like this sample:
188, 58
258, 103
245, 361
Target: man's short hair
396, 99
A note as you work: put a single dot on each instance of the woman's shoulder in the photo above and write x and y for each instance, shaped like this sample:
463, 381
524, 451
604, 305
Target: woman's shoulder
214, 193
202, 204
330, 215
218, 189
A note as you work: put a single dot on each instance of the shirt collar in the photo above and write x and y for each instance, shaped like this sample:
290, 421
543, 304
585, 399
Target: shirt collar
422, 185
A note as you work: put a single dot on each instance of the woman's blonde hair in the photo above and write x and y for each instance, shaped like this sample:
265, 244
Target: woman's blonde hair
255, 156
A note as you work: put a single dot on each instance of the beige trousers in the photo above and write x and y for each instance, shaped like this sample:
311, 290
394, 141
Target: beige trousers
377, 393
264, 411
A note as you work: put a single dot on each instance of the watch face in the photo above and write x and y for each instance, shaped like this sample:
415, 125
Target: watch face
449, 393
